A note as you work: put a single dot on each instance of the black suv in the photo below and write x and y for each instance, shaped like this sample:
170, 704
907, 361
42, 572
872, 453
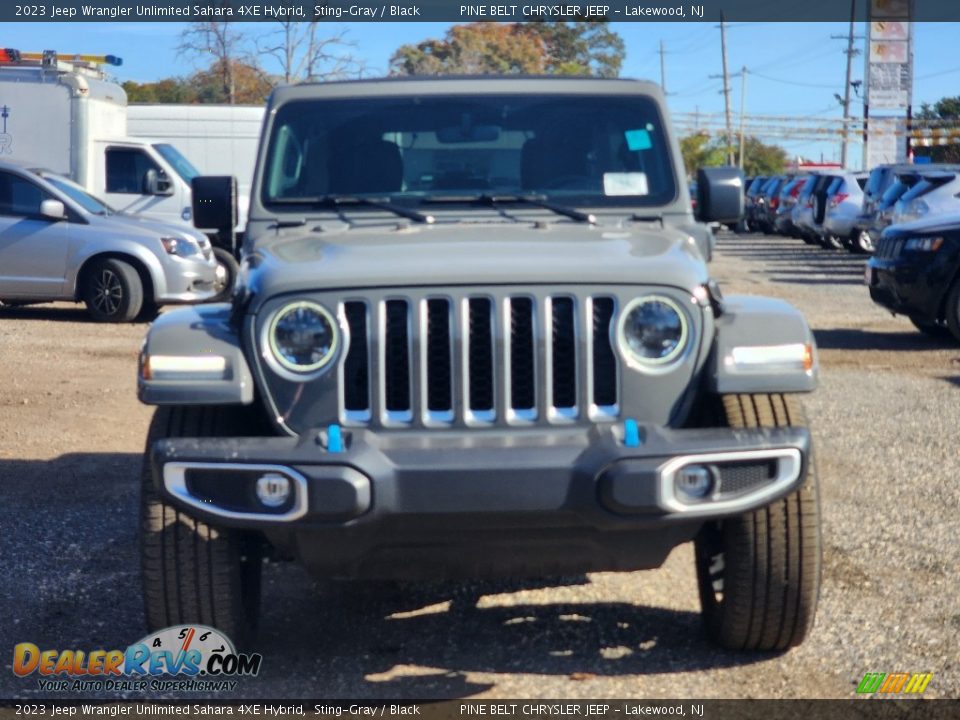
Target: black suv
914, 272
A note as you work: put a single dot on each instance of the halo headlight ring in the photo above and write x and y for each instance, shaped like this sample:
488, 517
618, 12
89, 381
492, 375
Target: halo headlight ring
660, 365
282, 364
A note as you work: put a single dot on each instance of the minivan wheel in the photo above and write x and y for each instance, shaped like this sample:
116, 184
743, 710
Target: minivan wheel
227, 270
862, 242
192, 571
112, 291
832, 242
759, 573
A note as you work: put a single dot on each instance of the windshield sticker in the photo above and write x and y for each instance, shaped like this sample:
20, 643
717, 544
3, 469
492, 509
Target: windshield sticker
638, 139
625, 183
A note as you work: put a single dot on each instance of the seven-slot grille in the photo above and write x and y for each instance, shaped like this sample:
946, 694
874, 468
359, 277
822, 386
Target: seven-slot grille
475, 360
888, 248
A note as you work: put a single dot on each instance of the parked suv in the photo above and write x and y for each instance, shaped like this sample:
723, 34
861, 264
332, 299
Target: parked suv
914, 272
475, 333
844, 202
937, 193
58, 242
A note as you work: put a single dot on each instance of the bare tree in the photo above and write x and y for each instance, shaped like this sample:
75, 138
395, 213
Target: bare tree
304, 56
221, 40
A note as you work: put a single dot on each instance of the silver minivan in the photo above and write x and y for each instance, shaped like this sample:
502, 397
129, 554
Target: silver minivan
58, 242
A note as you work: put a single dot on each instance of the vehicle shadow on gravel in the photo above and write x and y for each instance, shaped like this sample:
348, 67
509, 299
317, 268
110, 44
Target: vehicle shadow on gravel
400, 640
858, 339
59, 312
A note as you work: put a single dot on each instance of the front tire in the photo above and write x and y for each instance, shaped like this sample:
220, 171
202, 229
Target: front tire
759, 574
194, 572
862, 242
112, 291
227, 271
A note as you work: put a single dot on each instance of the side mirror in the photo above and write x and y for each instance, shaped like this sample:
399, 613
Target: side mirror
53, 209
720, 194
214, 202
155, 184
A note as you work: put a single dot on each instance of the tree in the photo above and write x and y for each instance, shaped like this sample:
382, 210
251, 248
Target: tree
224, 43
579, 48
168, 90
762, 159
248, 83
698, 151
585, 48
473, 49
303, 56
701, 150
945, 109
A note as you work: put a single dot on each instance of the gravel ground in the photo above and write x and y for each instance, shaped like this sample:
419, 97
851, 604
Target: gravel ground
885, 420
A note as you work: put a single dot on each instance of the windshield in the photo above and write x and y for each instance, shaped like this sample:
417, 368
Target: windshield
589, 150
80, 196
177, 161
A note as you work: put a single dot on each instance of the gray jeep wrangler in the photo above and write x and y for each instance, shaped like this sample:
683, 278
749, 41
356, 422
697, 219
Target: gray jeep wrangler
475, 334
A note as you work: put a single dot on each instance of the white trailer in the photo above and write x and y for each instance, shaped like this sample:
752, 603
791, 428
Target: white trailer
218, 139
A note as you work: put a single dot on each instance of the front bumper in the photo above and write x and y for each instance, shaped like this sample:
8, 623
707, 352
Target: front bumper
188, 280
413, 504
912, 285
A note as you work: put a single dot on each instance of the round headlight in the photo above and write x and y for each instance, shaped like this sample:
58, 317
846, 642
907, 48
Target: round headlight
303, 337
652, 332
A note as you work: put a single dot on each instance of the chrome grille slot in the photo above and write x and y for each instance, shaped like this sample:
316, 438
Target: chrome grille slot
563, 357
355, 378
396, 362
459, 358
479, 360
603, 375
521, 360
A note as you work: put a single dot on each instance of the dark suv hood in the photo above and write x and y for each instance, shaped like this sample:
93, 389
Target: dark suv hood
477, 255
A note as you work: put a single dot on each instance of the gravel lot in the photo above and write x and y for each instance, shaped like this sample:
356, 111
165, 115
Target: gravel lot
885, 418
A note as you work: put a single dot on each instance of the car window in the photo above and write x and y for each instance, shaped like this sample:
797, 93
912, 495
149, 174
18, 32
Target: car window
20, 197
126, 168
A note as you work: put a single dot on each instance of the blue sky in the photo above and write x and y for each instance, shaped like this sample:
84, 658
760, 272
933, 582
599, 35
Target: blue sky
794, 69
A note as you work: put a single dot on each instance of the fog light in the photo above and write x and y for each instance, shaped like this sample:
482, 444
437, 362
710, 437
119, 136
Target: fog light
694, 482
273, 490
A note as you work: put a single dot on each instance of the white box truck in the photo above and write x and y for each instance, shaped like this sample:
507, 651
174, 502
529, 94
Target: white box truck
218, 139
67, 118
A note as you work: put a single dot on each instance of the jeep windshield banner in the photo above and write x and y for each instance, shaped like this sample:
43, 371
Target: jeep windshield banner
447, 11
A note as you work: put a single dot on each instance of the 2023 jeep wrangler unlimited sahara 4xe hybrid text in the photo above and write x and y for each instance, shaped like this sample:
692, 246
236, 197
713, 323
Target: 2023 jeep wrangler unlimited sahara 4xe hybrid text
475, 334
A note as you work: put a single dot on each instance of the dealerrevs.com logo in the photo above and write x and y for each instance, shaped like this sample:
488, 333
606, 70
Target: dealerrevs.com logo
178, 658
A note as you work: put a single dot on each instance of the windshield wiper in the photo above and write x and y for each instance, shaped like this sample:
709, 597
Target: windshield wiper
338, 201
535, 200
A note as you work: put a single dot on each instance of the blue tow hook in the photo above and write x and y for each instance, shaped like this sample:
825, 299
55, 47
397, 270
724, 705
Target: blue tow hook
631, 433
334, 439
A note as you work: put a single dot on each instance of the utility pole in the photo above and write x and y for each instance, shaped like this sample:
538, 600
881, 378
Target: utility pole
743, 105
726, 87
851, 52
663, 69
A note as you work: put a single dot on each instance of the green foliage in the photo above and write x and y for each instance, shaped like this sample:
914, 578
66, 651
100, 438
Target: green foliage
698, 151
701, 150
762, 159
586, 48
205, 86
947, 108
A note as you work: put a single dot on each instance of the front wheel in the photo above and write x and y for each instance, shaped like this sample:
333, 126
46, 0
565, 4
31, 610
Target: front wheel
862, 242
227, 270
759, 574
112, 291
194, 572
832, 242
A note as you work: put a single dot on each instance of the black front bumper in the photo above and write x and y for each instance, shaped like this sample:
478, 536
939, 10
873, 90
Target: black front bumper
544, 501
912, 284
